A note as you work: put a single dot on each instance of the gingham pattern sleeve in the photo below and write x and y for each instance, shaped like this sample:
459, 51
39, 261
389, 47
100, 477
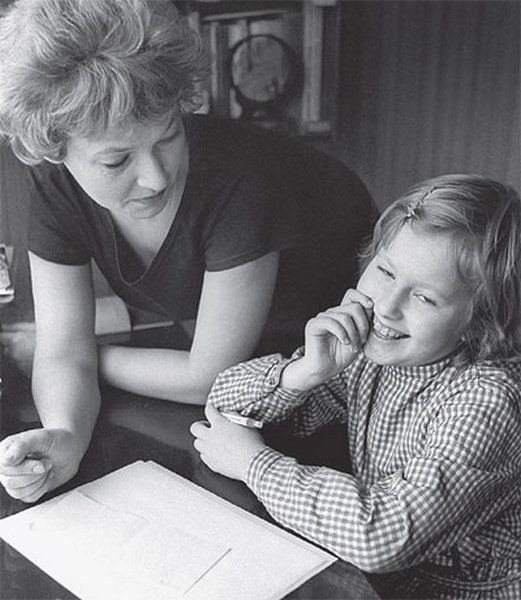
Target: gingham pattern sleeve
253, 389
466, 472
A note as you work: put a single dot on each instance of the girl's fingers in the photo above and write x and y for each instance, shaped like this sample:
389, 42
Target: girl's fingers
199, 428
357, 314
354, 319
354, 295
336, 325
212, 414
348, 325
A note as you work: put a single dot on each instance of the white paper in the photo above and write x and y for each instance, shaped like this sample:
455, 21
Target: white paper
144, 532
129, 543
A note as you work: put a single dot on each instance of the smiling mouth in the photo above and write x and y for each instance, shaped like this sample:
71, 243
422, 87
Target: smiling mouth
383, 332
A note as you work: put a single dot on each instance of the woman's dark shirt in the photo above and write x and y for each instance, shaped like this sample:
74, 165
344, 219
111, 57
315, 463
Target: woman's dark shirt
247, 194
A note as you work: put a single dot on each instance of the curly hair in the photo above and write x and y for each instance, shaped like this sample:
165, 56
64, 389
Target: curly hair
79, 67
482, 219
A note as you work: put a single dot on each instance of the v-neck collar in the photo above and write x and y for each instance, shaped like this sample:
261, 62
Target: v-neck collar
120, 244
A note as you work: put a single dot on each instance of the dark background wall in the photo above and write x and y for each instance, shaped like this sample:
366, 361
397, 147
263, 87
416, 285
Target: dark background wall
429, 87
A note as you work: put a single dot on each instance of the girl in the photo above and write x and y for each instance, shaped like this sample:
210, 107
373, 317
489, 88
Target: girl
422, 364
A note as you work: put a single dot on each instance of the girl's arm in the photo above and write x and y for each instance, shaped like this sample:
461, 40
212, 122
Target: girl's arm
254, 388
315, 378
232, 313
466, 473
64, 382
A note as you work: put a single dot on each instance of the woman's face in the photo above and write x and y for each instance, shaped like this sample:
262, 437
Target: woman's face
130, 170
420, 304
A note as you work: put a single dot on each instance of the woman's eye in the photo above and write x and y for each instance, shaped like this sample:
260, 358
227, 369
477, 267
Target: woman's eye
168, 140
171, 139
385, 272
117, 164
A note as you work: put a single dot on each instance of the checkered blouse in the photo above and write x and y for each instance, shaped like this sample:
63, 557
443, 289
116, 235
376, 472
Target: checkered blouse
436, 467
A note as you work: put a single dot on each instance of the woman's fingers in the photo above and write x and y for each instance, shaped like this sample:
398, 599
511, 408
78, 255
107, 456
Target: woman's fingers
28, 468
14, 449
34, 492
21, 482
31, 491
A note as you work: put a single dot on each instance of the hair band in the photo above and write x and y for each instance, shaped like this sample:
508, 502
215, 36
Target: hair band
414, 207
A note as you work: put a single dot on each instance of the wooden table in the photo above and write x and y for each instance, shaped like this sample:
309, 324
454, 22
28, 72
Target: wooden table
134, 428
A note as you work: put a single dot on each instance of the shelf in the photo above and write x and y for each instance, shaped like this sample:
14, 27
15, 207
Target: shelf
290, 85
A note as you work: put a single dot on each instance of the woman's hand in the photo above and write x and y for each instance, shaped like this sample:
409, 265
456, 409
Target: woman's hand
332, 339
36, 461
225, 447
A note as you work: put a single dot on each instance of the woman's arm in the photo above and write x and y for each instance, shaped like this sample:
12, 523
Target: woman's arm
232, 313
64, 383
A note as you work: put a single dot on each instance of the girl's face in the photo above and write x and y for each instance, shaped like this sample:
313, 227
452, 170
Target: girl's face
130, 170
420, 304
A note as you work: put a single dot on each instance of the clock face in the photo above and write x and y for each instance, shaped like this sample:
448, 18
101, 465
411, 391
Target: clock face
262, 68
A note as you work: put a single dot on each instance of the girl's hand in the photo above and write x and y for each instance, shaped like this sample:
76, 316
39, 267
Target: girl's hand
332, 339
225, 447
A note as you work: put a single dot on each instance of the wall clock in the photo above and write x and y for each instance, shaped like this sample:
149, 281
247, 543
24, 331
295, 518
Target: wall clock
264, 73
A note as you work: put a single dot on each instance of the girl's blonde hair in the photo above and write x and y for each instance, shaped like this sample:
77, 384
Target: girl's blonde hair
482, 218
79, 67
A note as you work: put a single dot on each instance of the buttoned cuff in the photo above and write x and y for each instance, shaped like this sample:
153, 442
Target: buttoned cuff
273, 377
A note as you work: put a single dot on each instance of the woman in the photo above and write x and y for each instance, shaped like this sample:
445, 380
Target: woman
185, 216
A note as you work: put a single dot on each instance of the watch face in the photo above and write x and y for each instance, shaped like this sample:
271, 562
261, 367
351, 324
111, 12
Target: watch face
262, 68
